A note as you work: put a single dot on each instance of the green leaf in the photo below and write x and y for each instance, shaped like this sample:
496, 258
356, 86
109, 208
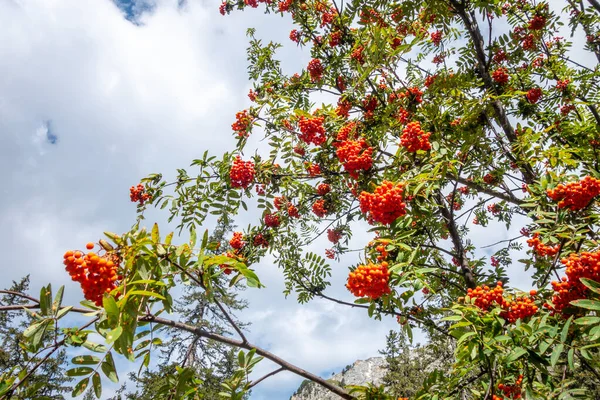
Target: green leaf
108, 367
589, 304
145, 293
155, 235
565, 330
588, 320
58, 300
556, 354
98, 348
97, 383
112, 310
516, 354
45, 299
570, 355
80, 387
590, 284
114, 335
80, 371
85, 360
63, 311
465, 337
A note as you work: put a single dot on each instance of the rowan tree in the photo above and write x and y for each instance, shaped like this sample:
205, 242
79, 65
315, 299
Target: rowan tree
431, 123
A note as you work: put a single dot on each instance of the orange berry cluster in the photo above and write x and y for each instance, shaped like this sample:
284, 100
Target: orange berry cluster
355, 156
312, 130
484, 297
500, 76
540, 248
323, 189
520, 308
279, 202
536, 23
370, 280
348, 131
242, 123
414, 138
96, 275
436, 37
576, 195
315, 69
357, 55
334, 235
138, 194
584, 265
241, 173
386, 204
319, 209
510, 391
237, 241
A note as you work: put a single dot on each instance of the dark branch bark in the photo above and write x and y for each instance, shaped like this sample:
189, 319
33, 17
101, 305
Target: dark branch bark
259, 380
248, 346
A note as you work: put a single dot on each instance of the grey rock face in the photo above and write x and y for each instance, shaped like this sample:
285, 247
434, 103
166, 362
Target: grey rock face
371, 370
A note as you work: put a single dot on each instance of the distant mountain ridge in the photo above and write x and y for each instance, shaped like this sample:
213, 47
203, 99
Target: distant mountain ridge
361, 372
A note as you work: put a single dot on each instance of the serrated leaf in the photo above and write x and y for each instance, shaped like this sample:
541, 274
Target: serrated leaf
108, 367
516, 354
155, 235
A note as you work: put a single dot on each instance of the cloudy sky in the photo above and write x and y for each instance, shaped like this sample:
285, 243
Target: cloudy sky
94, 97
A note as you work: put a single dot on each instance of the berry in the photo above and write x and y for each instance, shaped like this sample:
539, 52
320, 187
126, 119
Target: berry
436, 37
315, 69
319, 209
89, 246
323, 189
334, 235
533, 95
354, 155
370, 280
536, 23
414, 138
575, 195
236, 241
241, 173
540, 248
295, 36
242, 123
500, 76
272, 220
386, 204
583, 265
96, 274
138, 194
312, 130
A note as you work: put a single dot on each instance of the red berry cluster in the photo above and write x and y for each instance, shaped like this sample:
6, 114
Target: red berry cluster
414, 138
370, 280
562, 85
343, 108
494, 208
500, 76
583, 265
292, 211
260, 241
334, 235
357, 55
334, 39
96, 275
138, 194
330, 253
241, 173
285, 5
242, 123
540, 248
313, 169
499, 56
536, 23
575, 195
272, 220
319, 209
237, 241
436, 37
510, 391
323, 189
402, 116
386, 204
429, 80
298, 149
490, 179
355, 155
533, 95
315, 69
312, 130
279, 202
295, 36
